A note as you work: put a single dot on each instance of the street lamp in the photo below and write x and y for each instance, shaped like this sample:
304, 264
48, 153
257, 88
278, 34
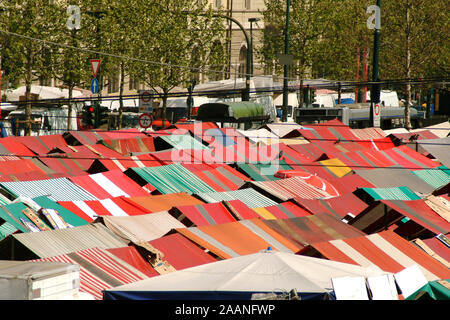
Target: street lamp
251, 20
286, 66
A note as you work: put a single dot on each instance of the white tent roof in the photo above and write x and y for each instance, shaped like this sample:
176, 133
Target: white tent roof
267, 271
44, 92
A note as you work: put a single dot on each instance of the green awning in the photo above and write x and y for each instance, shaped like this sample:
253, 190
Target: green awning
12, 213
183, 142
232, 112
436, 177
263, 172
172, 178
68, 216
396, 193
433, 290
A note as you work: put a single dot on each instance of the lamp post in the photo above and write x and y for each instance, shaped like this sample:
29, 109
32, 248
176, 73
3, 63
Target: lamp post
375, 90
286, 66
251, 20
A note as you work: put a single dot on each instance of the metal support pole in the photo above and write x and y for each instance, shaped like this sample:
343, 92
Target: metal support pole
375, 90
286, 66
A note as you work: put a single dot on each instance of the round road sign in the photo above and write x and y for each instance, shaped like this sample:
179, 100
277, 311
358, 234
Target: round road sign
145, 120
377, 109
146, 96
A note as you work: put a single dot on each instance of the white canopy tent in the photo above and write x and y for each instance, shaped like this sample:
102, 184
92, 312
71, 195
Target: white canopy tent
241, 277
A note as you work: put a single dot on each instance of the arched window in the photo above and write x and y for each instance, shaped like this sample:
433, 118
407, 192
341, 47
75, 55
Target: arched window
216, 61
243, 61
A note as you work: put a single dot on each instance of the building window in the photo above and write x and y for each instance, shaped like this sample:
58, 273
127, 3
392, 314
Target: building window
243, 61
45, 82
134, 83
113, 84
218, 3
247, 4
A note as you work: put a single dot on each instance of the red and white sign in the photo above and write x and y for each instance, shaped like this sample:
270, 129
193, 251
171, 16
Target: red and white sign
377, 109
145, 120
95, 64
145, 101
376, 115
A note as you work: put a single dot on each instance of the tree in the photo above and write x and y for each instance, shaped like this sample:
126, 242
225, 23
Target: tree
415, 42
71, 64
27, 22
122, 33
309, 21
168, 35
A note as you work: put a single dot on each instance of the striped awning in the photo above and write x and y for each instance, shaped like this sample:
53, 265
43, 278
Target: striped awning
99, 270
92, 209
110, 184
59, 189
386, 249
173, 178
203, 214
43, 244
283, 210
248, 196
289, 188
233, 239
436, 177
395, 193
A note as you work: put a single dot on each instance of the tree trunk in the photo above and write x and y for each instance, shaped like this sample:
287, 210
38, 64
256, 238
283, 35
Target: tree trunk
28, 83
69, 108
122, 83
164, 114
408, 69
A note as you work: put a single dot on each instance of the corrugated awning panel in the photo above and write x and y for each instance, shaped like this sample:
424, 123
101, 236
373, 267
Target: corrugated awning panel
122, 163
68, 216
43, 144
241, 210
289, 188
421, 213
164, 202
10, 145
173, 178
395, 193
180, 252
248, 196
237, 238
312, 228
204, 214
90, 210
283, 210
55, 242
127, 146
100, 270
222, 178
110, 184
386, 250
436, 177
408, 158
145, 227
59, 189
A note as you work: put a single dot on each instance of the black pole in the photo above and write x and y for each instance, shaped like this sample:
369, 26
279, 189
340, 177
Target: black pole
375, 90
286, 66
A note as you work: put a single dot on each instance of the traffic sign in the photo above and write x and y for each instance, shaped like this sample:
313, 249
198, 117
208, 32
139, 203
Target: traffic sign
145, 120
95, 86
377, 110
376, 115
145, 100
95, 64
